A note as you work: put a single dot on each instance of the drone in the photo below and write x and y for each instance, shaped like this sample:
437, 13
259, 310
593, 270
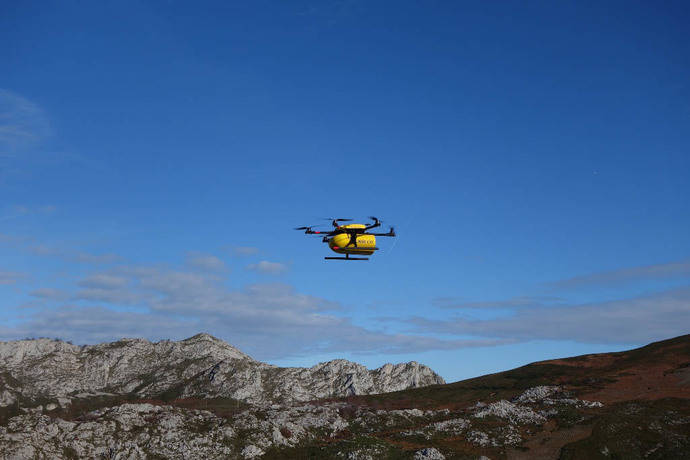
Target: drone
350, 239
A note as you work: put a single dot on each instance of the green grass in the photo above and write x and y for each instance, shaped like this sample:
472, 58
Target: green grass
637, 430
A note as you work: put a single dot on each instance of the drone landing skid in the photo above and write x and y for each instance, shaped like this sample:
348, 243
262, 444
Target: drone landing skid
347, 257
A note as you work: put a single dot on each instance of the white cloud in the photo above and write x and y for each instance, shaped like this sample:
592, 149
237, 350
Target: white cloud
514, 302
96, 324
75, 256
204, 261
268, 321
112, 296
50, 293
637, 320
96, 259
670, 270
241, 251
272, 340
269, 268
7, 277
274, 320
104, 281
22, 123
20, 210
13, 240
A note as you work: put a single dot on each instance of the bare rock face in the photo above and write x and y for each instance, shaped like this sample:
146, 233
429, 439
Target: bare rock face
139, 431
144, 430
201, 366
59, 400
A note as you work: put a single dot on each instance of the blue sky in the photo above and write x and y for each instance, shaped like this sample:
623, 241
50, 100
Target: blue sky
533, 158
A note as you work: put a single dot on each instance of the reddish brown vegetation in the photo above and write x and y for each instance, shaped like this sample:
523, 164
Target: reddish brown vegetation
648, 373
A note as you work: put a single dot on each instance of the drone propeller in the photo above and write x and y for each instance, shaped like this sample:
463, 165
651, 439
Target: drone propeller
310, 230
377, 222
335, 221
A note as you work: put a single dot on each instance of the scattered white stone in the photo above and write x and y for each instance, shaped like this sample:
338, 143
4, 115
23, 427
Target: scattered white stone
361, 454
509, 436
513, 412
480, 438
415, 413
7, 398
591, 403
502, 436
32, 410
429, 453
453, 426
536, 394
252, 451
552, 395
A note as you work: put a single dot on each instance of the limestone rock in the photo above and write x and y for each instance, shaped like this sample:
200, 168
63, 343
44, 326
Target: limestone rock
201, 366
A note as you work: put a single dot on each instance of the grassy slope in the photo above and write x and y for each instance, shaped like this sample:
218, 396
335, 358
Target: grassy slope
584, 375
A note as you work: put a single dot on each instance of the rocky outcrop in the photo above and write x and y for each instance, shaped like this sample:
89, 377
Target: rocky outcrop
144, 430
201, 366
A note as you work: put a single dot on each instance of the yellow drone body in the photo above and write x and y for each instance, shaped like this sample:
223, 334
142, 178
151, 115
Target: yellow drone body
361, 244
350, 239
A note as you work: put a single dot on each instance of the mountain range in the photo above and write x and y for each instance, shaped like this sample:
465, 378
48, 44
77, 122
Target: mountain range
203, 398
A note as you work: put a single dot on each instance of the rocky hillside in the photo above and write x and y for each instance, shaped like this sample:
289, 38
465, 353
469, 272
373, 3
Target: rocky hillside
629, 405
201, 366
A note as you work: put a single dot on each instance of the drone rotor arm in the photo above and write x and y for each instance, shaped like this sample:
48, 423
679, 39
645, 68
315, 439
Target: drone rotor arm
391, 232
311, 231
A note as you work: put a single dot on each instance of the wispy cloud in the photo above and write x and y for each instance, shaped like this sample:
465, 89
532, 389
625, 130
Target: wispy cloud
635, 320
314, 335
96, 324
514, 302
50, 294
243, 251
269, 268
275, 320
14, 240
97, 288
8, 277
670, 270
268, 320
204, 261
75, 256
104, 281
17, 211
22, 123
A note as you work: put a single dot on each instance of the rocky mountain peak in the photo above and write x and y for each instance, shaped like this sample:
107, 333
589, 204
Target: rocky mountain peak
20, 350
199, 366
204, 342
202, 336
